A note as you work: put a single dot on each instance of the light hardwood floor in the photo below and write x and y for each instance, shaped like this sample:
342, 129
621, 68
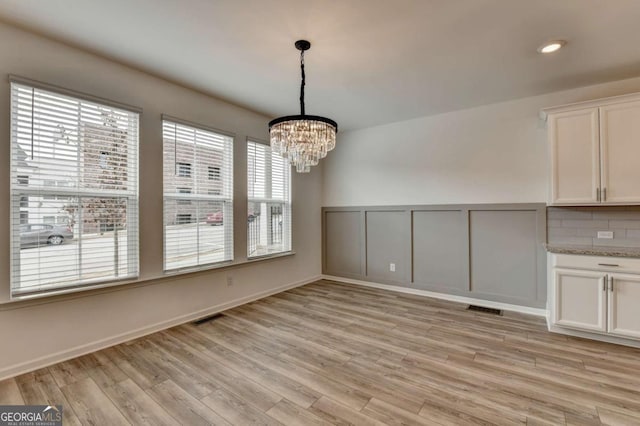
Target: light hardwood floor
330, 353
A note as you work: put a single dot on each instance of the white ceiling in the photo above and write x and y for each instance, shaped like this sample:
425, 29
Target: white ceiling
372, 61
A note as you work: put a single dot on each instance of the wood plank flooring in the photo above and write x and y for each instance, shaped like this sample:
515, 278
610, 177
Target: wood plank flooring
331, 353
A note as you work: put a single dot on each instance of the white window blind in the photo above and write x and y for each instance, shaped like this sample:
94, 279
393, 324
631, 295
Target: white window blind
198, 196
269, 196
74, 191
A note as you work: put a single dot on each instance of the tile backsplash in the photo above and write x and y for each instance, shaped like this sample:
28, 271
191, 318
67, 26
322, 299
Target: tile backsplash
580, 226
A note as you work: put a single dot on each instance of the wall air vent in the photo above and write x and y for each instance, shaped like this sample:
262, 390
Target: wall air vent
485, 310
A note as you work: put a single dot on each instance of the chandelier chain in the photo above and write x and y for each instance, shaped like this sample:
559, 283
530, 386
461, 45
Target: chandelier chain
302, 84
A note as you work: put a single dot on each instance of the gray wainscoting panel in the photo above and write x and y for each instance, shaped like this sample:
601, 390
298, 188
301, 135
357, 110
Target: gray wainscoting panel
504, 255
343, 247
440, 250
388, 241
485, 251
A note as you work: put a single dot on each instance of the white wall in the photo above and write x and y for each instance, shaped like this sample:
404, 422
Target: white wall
36, 333
490, 154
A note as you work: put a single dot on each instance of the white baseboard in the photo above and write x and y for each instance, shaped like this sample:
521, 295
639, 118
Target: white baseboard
97, 345
442, 296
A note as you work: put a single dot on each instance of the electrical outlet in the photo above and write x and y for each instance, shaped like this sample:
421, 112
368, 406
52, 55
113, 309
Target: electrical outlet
392, 267
605, 234
229, 280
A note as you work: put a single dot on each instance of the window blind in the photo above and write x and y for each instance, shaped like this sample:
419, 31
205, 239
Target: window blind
74, 191
269, 197
198, 196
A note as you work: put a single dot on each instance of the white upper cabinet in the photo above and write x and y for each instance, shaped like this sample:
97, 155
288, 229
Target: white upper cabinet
594, 149
620, 150
575, 156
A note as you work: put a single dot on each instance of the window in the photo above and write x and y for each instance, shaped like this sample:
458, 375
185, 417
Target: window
269, 213
57, 177
183, 191
214, 173
183, 218
104, 160
198, 211
184, 170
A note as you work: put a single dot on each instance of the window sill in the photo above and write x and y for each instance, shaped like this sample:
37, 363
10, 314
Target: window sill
64, 294
270, 256
196, 269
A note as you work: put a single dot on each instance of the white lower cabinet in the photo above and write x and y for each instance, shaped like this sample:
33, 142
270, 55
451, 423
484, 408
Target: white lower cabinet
581, 299
601, 300
624, 305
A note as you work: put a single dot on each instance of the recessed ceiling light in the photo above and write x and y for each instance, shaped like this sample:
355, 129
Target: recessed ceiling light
552, 46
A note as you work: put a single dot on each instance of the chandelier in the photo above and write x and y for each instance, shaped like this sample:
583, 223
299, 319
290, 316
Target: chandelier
302, 139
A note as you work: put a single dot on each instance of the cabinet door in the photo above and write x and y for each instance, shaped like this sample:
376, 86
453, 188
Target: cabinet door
620, 150
575, 157
580, 300
624, 305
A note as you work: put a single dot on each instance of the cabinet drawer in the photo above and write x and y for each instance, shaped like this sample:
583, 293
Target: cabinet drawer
597, 263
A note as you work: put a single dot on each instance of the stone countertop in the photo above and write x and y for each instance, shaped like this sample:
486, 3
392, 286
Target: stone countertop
594, 251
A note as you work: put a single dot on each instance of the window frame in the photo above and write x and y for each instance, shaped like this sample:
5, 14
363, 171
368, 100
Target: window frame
21, 188
227, 202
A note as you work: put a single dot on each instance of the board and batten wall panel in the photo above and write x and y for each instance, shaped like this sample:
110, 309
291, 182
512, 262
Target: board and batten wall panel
504, 254
493, 252
343, 235
440, 250
388, 242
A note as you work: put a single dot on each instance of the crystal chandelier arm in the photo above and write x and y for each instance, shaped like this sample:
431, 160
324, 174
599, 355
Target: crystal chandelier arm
302, 83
